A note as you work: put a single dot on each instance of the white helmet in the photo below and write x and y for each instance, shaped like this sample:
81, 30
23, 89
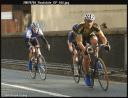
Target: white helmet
35, 25
89, 16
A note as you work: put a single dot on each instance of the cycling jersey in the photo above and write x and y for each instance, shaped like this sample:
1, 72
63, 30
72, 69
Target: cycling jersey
86, 35
71, 37
30, 34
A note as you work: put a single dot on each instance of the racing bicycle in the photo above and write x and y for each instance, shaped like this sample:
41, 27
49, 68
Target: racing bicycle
97, 67
38, 64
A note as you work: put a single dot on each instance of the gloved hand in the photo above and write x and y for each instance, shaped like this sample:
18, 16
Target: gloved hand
107, 47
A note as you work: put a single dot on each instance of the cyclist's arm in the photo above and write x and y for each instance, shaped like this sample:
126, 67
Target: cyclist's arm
102, 37
44, 39
42, 36
104, 41
70, 46
28, 37
79, 41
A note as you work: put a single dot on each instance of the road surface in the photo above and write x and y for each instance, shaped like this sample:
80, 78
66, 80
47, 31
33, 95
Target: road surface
18, 83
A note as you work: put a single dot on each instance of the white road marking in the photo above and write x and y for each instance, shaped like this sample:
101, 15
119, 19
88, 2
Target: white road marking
36, 90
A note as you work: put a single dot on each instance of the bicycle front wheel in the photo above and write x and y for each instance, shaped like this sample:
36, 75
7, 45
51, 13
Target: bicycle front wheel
42, 68
33, 71
102, 74
76, 72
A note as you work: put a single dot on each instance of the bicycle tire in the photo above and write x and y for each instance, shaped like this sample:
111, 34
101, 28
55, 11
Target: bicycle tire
76, 77
102, 75
33, 71
42, 68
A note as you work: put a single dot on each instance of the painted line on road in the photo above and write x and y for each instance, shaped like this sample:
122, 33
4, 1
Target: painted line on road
36, 90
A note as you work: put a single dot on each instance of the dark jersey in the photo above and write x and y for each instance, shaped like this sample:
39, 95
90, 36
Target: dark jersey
71, 37
86, 35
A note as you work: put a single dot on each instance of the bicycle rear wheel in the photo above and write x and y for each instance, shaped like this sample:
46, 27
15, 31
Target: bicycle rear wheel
102, 75
42, 68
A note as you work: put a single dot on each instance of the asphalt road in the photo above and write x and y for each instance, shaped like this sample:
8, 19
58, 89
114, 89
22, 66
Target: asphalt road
16, 83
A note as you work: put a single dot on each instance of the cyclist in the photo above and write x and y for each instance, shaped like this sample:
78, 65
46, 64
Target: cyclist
31, 39
89, 32
72, 45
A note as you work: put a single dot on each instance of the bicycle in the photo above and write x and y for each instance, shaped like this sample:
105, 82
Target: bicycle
97, 68
38, 65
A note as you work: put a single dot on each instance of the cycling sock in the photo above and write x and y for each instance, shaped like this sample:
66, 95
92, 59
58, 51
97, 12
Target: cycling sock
87, 80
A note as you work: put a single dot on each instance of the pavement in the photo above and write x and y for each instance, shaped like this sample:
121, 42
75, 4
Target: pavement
115, 74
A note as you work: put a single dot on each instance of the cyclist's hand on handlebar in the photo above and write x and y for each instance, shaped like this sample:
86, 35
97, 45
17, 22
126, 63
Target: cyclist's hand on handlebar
107, 47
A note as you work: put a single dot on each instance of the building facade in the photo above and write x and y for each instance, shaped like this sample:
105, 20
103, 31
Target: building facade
14, 18
62, 17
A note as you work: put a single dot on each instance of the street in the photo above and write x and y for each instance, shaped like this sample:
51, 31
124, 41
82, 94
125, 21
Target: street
18, 83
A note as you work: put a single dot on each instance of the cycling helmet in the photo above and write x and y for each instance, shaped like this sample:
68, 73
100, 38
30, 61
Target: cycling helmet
35, 25
75, 28
89, 16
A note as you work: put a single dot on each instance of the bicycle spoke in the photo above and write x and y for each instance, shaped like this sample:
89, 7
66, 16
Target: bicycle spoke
102, 75
42, 68
33, 71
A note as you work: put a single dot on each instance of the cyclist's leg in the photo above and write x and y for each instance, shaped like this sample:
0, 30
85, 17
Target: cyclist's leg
86, 60
94, 41
86, 63
32, 50
36, 44
75, 58
37, 50
71, 47
75, 61
75, 49
30, 54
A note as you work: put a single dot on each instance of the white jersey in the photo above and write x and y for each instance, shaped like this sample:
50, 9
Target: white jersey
31, 34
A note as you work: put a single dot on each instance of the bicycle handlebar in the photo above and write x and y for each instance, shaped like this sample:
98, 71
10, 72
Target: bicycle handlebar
91, 48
